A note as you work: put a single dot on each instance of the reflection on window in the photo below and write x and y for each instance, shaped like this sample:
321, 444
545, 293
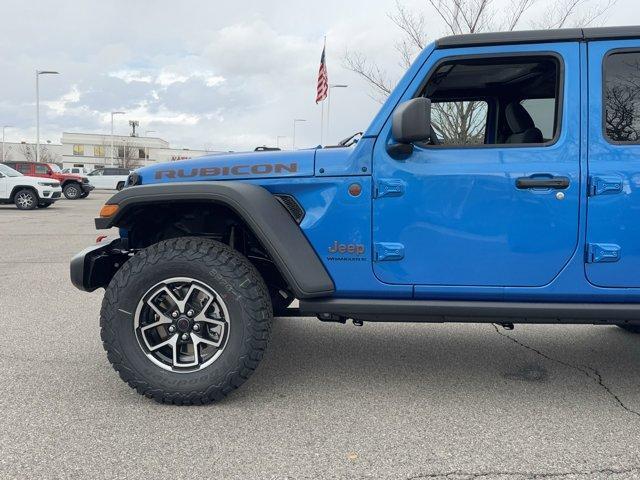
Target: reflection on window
78, 149
622, 97
459, 123
98, 151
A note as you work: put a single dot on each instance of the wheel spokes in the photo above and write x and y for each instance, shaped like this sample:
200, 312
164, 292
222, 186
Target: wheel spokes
187, 317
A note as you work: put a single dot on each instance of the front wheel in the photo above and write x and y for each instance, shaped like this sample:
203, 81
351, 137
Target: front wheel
186, 321
26, 199
72, 191
120, 186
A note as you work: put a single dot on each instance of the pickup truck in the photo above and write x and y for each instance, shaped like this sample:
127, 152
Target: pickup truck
498, 183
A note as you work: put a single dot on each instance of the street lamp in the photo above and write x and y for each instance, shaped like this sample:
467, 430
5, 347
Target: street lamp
38, 73
278, 140
296, 121
4, 127
331, 87
112, 114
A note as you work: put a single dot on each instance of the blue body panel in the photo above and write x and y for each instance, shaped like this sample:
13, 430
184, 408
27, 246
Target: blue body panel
469, 224
466, 232
613, 218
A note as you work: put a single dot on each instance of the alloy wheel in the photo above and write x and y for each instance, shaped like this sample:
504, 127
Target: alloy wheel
182, 325
25, 200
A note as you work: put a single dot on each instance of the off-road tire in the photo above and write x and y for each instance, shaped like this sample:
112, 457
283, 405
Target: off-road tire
630, 328
239, 285
25, 199
72, 191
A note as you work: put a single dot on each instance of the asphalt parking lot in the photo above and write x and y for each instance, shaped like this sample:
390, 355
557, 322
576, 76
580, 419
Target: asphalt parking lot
329, 401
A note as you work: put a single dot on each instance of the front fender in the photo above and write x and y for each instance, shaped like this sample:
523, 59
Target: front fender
270, 222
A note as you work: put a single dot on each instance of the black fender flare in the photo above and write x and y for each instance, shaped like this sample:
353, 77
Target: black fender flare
272, 224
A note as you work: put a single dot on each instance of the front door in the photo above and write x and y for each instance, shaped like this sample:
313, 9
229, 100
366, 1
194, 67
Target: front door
493, 199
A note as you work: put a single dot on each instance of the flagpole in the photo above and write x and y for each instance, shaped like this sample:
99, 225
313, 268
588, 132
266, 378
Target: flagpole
322, 123
324, 50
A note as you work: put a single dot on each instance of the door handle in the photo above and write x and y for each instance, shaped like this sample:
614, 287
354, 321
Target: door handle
559, 183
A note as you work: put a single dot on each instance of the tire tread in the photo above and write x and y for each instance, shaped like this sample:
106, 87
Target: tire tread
233, 267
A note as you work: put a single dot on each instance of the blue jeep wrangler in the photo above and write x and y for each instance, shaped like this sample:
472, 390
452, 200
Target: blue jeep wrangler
498, 183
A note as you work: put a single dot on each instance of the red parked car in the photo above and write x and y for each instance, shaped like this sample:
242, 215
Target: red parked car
73, 186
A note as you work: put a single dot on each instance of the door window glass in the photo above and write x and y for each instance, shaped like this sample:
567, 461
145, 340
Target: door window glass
622, 97
459, 123
42, 170
495, 100
543, 113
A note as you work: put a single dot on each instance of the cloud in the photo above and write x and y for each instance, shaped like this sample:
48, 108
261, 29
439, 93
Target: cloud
129, 76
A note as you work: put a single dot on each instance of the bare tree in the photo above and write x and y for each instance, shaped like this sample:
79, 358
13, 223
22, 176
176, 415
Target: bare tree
463, 122
469, 16
129, 155
28, 151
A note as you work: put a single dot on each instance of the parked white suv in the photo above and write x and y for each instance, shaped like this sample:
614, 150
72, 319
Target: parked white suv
110, 178
27, 192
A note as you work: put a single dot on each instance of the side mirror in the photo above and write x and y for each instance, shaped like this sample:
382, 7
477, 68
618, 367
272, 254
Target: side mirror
411, 122
1, 175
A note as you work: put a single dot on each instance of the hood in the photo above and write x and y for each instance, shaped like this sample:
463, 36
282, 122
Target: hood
26, 180
233, 166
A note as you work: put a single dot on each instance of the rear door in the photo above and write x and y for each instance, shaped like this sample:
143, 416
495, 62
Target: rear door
613, 214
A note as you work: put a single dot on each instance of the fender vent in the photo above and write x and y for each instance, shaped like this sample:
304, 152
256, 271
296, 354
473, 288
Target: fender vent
292, 206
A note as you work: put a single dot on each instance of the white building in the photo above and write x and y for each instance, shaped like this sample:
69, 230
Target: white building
92, 150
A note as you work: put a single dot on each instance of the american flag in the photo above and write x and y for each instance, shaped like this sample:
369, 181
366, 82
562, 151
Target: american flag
323, 79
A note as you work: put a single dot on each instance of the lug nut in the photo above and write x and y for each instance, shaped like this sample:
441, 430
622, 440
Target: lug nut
175, 314
196, 327
190, 313
172, 328
185, 336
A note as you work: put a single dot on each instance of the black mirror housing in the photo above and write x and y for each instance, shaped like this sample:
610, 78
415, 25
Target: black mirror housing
411, 121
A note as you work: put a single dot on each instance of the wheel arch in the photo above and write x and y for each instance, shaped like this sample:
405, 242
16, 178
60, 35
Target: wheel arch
254, 206
17, 188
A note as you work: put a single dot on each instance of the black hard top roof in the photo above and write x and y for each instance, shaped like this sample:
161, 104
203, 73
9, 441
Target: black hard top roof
538, 36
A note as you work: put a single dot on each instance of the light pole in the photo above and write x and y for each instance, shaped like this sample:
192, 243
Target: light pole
296, 121
38, 73
112, 114
278, 140
329, 107
146, 133
4, 127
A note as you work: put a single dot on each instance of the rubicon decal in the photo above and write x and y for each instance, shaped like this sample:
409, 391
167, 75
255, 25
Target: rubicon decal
224, 171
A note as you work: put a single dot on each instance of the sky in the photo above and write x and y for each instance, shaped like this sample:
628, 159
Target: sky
200, 74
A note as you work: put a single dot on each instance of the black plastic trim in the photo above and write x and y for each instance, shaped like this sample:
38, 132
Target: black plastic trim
93, 267
538, 36
272, 224
436, 311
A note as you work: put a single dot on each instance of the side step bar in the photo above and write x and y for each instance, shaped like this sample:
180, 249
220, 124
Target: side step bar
436, 311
